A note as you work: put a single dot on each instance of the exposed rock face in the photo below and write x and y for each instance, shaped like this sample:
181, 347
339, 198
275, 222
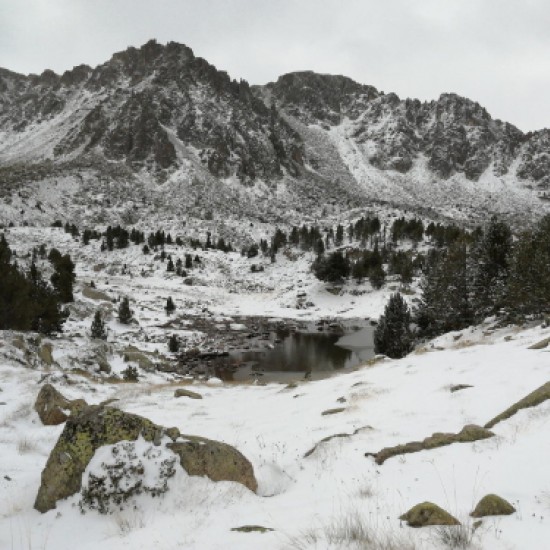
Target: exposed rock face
53, 408
427, 513
492, 505
96, 426
453, 133
143, 104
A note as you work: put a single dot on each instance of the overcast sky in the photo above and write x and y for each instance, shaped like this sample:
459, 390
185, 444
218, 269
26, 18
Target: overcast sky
496, 52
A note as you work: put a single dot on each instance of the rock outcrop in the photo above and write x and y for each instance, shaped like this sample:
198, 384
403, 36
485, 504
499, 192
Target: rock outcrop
540, 395
96, 426
468, 434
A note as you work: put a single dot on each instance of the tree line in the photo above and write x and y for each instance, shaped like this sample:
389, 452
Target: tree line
27, 301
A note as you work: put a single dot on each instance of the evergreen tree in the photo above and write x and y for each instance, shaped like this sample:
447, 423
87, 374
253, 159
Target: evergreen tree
26, 301
170, 264
332, 268
63, 276
377, 276
319, 247
124, 311
173, 344
529, 279
170, 306
339, 239
98, 327
490, 267
393, 336
445, 303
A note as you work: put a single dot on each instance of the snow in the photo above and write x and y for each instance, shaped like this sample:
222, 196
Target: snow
388, 402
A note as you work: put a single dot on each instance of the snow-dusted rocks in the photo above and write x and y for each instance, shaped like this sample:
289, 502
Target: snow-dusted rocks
492, 505
98, 426
427, 513
219, 462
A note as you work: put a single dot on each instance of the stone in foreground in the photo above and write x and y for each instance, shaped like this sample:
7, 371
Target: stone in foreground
96, 426
427, 513
218, 461
492, 505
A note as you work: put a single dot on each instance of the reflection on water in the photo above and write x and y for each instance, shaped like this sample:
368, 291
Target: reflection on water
298, 355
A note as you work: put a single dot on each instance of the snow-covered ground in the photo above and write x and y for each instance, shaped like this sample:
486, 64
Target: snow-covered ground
385, 403
305, 500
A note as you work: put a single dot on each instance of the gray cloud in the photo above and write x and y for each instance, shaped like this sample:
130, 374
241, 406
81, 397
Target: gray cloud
492, 51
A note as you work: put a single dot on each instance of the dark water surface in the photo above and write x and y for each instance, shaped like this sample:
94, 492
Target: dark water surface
299, 355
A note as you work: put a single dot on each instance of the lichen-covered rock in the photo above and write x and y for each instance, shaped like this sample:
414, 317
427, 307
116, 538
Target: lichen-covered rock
427, 513
53, 407
218, 461
83, 434
97, 426
492, 505
182, 392
532, 400
468, 434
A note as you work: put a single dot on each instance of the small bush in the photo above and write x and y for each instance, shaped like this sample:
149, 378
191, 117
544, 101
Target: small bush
130, 374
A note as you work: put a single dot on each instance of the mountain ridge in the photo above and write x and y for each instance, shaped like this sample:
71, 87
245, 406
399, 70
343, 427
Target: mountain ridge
165, 114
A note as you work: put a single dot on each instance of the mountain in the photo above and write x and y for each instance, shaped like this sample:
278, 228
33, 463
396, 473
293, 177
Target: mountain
160, 116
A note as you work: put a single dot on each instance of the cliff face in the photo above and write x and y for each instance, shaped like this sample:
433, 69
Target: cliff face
142, 105
454, 134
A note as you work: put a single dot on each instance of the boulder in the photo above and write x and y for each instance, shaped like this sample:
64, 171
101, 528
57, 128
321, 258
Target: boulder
45, 353
94, 294
181, 392
217, 461
492, 505
427, 513
53, 407
83, 434
541, 344
96, 426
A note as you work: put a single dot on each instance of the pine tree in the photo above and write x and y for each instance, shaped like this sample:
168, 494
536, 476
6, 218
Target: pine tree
332, 268
445, 303
63, 277
173, 344
490, 267
170, 306
98, 327
124, 311
529, 279
170, 264
393, 336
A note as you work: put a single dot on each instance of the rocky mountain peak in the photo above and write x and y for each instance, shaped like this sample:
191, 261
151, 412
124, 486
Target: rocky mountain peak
163, 112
